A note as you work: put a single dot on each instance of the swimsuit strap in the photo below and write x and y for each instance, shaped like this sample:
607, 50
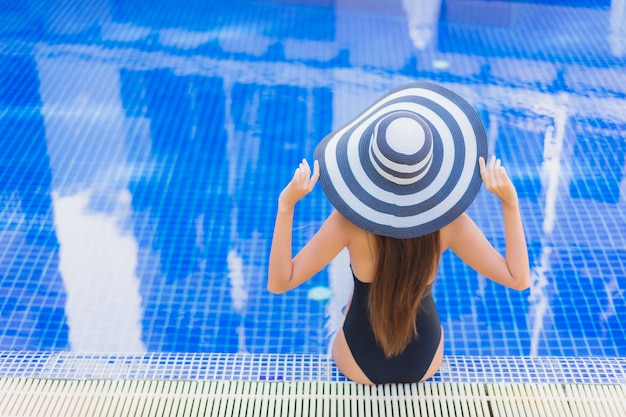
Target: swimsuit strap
429, 287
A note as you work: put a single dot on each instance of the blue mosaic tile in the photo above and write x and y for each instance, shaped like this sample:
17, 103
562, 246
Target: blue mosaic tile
290, 367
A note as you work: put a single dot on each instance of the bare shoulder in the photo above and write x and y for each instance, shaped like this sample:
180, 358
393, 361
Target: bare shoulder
343, 225
453, 230
339, 218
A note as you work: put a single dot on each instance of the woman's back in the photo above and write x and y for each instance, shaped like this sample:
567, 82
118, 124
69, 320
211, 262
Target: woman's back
363, 250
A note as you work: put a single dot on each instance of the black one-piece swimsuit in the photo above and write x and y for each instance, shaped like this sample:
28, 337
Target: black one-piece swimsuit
413, 363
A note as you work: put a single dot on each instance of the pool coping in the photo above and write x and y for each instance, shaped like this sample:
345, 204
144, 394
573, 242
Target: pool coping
299, 367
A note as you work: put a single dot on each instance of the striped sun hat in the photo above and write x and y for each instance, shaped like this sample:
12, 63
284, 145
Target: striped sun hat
407, 165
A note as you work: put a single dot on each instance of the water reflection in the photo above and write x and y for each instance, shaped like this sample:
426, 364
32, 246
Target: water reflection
98, 254
98, 263
617, 23
539, 312
423, 16
170, 130
614, 296
341, 284
551, 176
242, 129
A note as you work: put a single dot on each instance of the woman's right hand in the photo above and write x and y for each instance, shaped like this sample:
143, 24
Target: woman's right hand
300, 185
497, 181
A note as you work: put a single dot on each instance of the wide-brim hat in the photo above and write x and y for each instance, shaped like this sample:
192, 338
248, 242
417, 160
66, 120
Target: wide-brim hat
408, 164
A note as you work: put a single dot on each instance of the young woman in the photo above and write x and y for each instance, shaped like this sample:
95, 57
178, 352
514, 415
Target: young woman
400, 177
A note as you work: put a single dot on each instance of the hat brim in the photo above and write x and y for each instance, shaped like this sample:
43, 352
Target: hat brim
381, 206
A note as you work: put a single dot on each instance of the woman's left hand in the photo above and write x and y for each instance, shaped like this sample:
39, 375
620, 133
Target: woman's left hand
301, 184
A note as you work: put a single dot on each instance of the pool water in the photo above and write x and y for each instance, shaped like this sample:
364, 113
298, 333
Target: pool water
144, 145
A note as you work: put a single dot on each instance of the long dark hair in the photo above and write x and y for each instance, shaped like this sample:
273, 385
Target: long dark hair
404, 268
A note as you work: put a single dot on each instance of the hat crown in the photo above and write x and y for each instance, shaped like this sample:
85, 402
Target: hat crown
401, 148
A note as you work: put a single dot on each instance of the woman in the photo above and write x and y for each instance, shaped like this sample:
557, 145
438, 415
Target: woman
400, 176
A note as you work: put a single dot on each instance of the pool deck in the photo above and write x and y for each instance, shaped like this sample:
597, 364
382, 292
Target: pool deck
52, 397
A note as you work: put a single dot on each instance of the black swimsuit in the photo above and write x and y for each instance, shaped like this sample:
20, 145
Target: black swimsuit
408, 367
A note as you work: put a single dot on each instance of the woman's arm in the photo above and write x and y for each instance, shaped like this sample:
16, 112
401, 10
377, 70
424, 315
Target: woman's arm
471, 245
284, 271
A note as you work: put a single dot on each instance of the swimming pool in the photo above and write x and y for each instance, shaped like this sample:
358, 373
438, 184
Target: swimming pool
145, 144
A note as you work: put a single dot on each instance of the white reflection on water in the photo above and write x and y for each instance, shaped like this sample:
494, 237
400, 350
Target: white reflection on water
617, 23
184, 39
423, 16
238, 293
97, 263
551, 175
613, 292
341, 285
539, 301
